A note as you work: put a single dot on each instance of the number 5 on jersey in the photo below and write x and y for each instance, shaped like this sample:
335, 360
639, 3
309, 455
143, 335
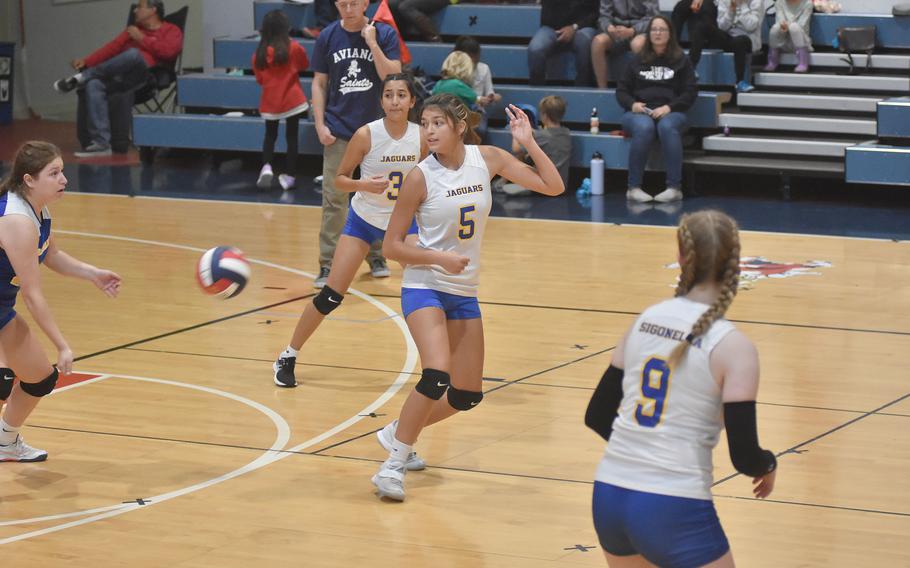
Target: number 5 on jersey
395, 179
655, 384
465, 222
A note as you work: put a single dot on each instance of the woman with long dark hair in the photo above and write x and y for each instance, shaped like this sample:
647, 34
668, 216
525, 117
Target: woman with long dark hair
657, 89
277, 64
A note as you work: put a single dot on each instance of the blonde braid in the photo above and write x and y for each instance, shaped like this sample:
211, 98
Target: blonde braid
717, 310
687, 259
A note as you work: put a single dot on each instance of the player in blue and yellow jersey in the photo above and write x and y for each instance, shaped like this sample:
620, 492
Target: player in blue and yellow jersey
386, 150
681, 373
449, 192
36, 181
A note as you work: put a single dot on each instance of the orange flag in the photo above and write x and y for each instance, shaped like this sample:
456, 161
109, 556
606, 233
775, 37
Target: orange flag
384, 14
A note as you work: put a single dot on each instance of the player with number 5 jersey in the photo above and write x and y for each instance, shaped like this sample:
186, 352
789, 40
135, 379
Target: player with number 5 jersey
386, 150
681, 373
449, 192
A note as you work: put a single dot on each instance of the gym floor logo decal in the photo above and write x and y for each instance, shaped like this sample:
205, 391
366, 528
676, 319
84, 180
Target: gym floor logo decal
755, 268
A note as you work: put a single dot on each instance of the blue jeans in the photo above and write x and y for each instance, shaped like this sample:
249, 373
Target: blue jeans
544, 44
642, 129
121, 72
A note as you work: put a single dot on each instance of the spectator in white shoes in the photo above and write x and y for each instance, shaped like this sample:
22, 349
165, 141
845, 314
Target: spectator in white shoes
657, 89
277, 64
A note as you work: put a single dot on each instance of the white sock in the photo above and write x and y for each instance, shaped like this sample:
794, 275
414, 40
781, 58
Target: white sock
289, 352
400, 451
8, 434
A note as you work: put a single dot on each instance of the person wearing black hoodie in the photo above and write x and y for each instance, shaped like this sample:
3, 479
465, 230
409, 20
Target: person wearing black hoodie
564, 25
657, 89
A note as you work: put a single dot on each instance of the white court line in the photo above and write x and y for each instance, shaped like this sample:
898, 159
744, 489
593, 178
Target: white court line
272, 455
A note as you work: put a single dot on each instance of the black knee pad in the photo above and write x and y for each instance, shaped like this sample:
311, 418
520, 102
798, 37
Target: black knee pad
43, 387
463, 399
7, 378
433, 383
327, 300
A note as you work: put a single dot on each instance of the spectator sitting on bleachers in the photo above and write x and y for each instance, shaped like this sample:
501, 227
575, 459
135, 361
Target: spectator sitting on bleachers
622, 25
457, 75
701, 16
553, 138
657, 89
790, 33
564, 25
738, 30
122, 64
415, 15
482, 84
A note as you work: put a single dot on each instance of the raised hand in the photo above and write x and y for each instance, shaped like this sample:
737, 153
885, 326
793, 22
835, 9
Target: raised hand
519, 125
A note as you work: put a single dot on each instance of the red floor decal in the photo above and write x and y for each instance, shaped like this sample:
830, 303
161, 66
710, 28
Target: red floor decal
73, 378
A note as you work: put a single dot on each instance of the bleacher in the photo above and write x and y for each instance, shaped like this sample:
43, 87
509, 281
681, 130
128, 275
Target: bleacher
818, 124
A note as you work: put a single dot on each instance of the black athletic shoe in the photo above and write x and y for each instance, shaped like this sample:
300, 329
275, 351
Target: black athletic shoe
65, 85
284, 372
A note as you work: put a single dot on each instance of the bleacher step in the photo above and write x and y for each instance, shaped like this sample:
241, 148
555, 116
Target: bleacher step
796, 123
839, 60
874, 162
740, 163
776, 145
886, 83
807, 102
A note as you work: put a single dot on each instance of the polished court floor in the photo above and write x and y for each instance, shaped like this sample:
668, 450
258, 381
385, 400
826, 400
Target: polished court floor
175, 449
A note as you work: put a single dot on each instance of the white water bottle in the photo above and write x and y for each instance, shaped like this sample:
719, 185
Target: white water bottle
597, 174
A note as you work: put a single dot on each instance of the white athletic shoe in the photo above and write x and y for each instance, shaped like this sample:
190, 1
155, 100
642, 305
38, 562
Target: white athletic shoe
668, 195
387, 435
19, 451
265, 177
636, 194
389, 481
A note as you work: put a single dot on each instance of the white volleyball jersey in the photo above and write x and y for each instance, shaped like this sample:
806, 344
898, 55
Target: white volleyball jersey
669, 419
452, 218
389, 158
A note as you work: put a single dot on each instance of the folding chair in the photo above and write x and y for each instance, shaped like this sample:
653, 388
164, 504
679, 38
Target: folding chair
159, 93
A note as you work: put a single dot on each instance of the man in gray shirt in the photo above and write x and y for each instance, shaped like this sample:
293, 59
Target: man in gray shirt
622, 25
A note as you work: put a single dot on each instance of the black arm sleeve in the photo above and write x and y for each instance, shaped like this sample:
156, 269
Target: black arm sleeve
742, 437
604, 405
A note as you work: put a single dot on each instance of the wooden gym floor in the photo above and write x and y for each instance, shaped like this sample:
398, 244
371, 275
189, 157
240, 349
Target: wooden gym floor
179, 451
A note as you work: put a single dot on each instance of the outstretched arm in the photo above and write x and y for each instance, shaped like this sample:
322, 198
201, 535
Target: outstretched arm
64, 264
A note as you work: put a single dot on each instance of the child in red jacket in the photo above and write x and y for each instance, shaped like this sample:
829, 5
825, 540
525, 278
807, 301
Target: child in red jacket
277, 63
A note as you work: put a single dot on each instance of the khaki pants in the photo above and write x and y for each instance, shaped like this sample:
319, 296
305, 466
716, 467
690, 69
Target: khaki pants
335, 207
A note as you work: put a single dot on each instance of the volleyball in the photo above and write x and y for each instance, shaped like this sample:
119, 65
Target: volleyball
223, 272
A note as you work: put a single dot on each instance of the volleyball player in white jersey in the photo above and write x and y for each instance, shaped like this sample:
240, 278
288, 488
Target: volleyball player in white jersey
386, 150
677, 377
449, 192
26, 242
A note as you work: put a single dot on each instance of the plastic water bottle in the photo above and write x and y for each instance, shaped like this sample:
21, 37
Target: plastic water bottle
597, 174
595, 122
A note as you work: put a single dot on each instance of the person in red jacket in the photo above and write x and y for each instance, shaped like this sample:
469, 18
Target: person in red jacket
277, 63
121, 64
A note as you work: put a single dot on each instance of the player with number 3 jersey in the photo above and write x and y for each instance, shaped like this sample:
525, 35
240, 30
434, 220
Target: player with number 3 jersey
449, 192
386, 150
680, 374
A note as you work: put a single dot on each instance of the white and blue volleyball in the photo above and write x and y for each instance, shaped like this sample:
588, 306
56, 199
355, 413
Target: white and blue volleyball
223, 272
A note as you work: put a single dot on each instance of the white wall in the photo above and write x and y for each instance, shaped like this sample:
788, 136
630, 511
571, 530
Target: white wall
58, 33
224, 18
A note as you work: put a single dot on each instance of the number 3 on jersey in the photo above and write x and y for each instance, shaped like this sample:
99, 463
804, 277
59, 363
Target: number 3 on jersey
655, 384
395, 179
465, 222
